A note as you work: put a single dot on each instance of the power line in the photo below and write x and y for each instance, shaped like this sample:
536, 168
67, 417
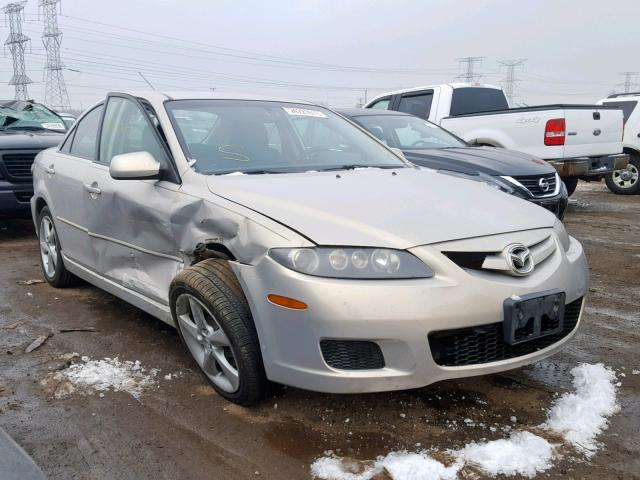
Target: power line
629, 81
510, 80
17, 42
55, 92
469, 75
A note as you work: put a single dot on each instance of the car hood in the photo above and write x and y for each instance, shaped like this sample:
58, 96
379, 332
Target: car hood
21, 139
398, 208
488, 160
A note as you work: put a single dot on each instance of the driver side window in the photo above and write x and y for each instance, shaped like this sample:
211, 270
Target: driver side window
125, 129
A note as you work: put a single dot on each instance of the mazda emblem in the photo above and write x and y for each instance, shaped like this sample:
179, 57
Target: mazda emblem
519, 259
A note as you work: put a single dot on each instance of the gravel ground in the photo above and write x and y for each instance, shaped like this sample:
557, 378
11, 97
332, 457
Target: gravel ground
179, 427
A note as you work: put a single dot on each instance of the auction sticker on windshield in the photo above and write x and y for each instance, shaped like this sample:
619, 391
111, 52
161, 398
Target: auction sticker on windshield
54, 126
304, 112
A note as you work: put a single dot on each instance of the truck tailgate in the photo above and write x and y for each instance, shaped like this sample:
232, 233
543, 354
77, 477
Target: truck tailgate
592, 132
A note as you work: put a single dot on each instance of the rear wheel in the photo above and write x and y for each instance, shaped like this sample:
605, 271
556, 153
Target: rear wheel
626, 181
571, 183
215, 324
51, 253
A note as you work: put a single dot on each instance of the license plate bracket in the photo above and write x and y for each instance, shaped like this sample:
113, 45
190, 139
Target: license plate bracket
531, 316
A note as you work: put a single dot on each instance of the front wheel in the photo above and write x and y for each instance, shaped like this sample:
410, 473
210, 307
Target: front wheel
51, 252
627, 180
571, 183
215, 324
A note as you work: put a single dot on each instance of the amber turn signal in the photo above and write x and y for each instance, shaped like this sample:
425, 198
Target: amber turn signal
286, 302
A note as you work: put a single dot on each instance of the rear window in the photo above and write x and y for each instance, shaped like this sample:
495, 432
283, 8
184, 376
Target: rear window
627, 108
418, 105
475, 100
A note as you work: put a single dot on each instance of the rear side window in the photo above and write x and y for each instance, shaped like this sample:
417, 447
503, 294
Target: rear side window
382, 104
627, 108
418, 105
86, 135
476, 100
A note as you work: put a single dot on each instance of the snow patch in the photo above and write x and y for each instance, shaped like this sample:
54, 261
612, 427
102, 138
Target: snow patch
578, 417
581, 416
523, 453
109, 374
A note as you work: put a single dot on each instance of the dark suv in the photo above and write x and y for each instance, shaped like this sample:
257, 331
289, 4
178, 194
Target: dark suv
26, 128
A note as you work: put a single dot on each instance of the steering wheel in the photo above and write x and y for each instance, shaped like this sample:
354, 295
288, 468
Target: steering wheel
307, 152
420, 142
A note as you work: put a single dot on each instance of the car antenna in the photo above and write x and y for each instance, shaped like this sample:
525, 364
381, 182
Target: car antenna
147, 81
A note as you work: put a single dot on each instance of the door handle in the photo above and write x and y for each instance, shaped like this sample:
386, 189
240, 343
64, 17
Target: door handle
50, 170
92, 188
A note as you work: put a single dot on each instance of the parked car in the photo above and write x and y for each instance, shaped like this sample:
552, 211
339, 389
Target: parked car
580, 141
626, 181
26, 128
428, 145
288, 245
68, 119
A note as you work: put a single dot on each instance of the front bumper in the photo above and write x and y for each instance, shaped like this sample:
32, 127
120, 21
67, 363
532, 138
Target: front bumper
590, 166
397, 315
15, 199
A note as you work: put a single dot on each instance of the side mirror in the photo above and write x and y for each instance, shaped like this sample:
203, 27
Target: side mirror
134, 166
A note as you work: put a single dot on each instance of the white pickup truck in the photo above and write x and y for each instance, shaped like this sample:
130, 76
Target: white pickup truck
627, 181
580, 141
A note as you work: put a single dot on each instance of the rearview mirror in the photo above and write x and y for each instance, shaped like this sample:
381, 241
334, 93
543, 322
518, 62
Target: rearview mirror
134, 166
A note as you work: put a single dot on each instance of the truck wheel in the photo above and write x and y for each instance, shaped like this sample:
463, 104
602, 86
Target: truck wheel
571, 183
215, 324
51, 252
626, 181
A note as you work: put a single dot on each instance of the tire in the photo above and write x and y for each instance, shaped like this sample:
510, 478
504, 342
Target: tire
626, 182
571, 183
215, 324
55, 273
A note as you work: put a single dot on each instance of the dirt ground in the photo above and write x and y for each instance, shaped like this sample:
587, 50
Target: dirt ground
183, 430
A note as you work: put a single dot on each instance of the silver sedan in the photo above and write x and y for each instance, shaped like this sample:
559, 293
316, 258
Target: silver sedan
288, 245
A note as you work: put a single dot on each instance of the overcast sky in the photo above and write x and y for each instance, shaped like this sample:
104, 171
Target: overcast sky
330, 51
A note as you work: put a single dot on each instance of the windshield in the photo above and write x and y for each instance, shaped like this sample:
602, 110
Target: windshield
407, 132
229, 136
19, 115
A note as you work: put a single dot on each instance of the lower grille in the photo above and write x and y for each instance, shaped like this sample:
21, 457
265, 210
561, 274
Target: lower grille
539, 185
485, 344
352, 354
23, 197
18, 165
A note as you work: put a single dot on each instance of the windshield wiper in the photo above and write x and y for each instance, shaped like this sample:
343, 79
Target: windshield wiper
353, 166
243, 172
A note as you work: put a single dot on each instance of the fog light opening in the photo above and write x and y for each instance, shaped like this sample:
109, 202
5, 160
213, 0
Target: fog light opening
287, 302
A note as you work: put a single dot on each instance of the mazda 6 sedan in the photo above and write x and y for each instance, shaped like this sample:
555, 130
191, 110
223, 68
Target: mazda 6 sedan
288, 245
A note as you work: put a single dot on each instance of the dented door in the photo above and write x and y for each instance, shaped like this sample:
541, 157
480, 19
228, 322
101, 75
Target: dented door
132, 239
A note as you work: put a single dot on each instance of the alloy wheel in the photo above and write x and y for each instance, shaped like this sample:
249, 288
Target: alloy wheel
626, 178
48, 246
207, 342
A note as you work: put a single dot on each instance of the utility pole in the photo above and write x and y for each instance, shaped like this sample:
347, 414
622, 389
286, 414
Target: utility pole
510, 80
17, 43
629, 82
469, 75
55, 92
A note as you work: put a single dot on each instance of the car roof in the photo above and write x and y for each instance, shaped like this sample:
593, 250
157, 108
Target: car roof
368, 112
157, 96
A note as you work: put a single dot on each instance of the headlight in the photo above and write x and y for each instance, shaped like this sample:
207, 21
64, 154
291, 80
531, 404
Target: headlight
348, 262
562, 234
